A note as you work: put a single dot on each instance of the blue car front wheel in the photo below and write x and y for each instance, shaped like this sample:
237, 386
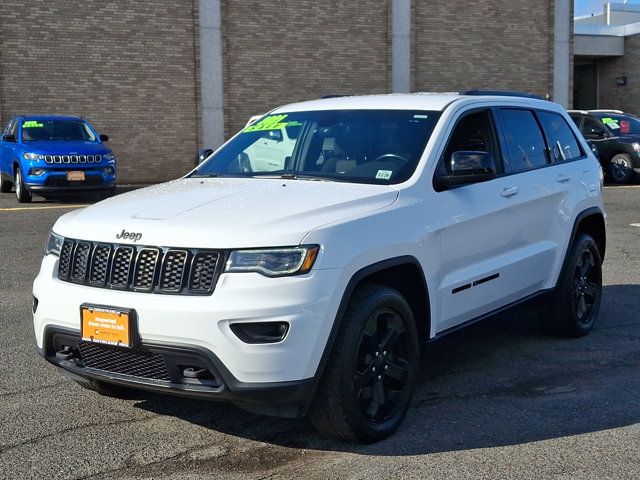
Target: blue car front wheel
23, 195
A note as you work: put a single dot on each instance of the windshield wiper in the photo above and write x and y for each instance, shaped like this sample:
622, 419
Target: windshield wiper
306, 176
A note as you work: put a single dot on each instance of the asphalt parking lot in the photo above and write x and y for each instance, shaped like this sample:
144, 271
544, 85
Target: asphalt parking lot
500, 399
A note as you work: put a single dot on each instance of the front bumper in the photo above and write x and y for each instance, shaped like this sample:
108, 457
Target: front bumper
55, 179
201, 324
164, 368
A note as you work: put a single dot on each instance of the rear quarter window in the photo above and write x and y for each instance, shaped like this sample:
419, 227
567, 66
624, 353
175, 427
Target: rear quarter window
562, 142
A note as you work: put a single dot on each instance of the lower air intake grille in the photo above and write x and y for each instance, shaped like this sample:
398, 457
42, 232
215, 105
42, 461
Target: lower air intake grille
125, 362
140, 268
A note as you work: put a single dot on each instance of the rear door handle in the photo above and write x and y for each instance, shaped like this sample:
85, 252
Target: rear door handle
509, 191
563, 178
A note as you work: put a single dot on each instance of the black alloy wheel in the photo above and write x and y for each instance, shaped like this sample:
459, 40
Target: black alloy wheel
366, 388
382, 365
575, 303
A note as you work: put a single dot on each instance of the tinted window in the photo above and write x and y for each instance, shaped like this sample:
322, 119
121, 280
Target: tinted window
525, 144
562, 142
474, 132
592, 129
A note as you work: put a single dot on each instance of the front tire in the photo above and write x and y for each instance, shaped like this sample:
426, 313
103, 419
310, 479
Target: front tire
621, 168
366, 389
574, 307
22, 194
5, 185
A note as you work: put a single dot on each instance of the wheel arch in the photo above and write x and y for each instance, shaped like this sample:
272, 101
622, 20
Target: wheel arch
402, 273
590, 221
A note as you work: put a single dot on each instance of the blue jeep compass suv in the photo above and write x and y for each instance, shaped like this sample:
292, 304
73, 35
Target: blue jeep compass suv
50, 155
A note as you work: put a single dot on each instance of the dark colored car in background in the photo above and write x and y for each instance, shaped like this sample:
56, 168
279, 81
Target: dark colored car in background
54, 155
616, 135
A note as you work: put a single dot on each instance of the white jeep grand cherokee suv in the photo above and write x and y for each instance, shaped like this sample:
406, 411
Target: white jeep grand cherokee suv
393, 220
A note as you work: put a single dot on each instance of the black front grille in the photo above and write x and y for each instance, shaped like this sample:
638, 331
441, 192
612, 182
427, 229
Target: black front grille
140, 268
125, 362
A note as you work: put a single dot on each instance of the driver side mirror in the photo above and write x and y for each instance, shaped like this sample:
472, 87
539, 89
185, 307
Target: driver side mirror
9, 138
595, 134
201, 156
468, 166
103, 137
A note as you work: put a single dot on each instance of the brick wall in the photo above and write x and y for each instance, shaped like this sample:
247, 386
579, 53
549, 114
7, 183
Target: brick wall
627, 97
502, 44
282, 52
128, 67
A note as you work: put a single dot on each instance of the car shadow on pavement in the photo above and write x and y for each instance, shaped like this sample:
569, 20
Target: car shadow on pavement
500, 382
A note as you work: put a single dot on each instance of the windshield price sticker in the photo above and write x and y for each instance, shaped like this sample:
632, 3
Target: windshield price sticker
610, 122
32, 124
274, 122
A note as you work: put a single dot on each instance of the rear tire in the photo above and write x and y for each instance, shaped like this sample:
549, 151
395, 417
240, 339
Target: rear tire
574, 306
366, 389
621, 168
5, 185
22, 194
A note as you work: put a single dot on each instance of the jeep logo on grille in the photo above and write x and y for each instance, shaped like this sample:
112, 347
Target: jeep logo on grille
124, 235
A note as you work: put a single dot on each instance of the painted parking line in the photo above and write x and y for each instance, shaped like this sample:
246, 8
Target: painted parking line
634, 225
46, 207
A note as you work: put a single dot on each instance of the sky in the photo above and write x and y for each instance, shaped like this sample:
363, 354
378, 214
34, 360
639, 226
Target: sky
587, 7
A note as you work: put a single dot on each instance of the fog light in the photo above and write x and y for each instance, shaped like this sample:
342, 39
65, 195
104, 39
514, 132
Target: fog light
109, 171
260, 332
36, 171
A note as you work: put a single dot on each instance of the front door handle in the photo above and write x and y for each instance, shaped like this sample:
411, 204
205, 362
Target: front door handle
563, 178
509, 191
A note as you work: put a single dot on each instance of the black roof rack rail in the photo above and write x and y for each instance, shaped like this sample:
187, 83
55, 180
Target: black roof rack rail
501, 93
336, 95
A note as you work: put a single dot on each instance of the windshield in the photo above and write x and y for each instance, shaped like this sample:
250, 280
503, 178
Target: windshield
34, 130
364, 146
621, 124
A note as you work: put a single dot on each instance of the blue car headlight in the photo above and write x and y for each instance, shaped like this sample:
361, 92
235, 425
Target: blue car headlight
32, 156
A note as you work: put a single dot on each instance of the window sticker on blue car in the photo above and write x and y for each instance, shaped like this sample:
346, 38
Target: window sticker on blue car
610, 122
32, 124
274, 122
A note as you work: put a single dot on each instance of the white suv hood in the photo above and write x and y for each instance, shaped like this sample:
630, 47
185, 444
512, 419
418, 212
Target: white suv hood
224, 212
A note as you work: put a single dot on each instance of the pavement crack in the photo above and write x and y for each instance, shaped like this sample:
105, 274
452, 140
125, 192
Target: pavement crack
32, 441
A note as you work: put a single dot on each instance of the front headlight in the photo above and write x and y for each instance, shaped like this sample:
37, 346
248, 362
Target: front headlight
54, 244
273, 262
32, 156
109, 157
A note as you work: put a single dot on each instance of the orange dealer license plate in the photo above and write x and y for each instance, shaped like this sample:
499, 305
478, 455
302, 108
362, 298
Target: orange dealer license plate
75, 176
111, 326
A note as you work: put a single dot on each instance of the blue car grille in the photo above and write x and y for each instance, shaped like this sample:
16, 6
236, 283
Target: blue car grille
73, 158
140, 268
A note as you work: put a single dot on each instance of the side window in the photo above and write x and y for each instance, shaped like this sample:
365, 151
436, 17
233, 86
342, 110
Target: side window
525, 144
474, 132
592, 129
560, 138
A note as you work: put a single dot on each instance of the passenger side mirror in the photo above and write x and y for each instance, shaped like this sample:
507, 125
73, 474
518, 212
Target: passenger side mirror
595, 134
9, 138
104, 138
468, 166
201, 156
